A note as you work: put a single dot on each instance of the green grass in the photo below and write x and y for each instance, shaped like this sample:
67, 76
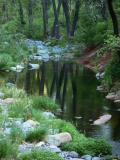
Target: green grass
8, 150
37, 135
16, 135
40, 155
44, 103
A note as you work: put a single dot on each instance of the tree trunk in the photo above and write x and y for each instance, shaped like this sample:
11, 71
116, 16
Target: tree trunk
76, 17
21, 13
113, 17
56, 23
45, 17
67, 16
30, 15
58, 12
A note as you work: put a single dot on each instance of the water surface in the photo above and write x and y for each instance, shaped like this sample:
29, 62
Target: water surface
73, 87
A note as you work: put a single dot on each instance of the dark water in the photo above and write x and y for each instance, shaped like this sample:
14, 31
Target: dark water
74, 88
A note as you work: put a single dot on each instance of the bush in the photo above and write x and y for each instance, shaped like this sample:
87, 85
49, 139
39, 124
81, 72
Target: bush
36, 135
44, 103
40, 155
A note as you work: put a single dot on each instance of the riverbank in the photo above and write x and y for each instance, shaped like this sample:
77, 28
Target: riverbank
98, 64
27, 124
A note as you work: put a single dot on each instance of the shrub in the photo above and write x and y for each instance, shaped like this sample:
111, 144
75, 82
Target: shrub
36, 135
44, 103
40, 155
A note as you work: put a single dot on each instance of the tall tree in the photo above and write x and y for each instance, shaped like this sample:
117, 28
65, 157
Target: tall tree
67, 16
45, 17
30, 15
56, 23
21, 14
76, 16
113, 17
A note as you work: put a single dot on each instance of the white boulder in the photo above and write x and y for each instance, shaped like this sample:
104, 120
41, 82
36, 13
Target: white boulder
58, 139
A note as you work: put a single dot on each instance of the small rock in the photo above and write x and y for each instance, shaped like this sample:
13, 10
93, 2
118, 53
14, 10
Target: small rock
40, 144
9, 101
54, 149
23, 148
58, 139
71, 154
96, 158
117, 101
87, 157
33, 66
48, 115
77, 159
111, 96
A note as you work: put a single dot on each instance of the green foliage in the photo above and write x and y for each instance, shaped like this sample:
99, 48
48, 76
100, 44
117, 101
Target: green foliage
7, 149
112, 72
5, 61
16, 135
21, 108
40, 155
12, 92
80, 143
44, 103
37, 135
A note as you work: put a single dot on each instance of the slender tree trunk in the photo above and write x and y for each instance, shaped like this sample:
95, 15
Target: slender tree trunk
21, 13
76, 17
45, 17
58, 12
30, 15
56, 23
113, 17
67, 16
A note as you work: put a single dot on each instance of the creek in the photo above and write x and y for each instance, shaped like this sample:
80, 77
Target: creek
73, 87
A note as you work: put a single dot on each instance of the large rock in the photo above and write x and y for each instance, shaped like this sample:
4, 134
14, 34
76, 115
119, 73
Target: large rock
58, 139
29, 125
103, 119
111, 96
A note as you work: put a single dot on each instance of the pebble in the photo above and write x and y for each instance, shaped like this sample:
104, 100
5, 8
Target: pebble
87, 157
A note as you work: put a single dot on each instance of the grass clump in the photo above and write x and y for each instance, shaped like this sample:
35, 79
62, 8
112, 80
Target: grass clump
44, 103
40, 155
16, 135
12, 92
36, 135
21, 108
7, 149
5, 61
